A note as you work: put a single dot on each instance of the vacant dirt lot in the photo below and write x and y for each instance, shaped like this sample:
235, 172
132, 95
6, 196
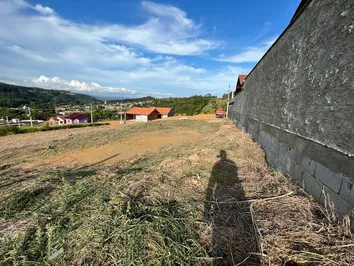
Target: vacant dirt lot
180, 192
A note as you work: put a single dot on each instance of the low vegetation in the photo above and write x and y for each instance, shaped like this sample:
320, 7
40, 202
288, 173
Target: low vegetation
194, 105
210, 201
8, 130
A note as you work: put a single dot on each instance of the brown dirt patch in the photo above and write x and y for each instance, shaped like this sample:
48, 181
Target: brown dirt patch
110, 154
194, 117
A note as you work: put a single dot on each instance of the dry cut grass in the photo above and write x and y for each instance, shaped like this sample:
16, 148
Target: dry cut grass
213, 201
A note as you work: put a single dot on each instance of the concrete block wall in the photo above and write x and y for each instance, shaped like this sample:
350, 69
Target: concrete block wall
324, 173
298, 102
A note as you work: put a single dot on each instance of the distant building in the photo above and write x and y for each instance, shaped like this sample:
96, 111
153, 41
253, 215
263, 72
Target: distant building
165, 112
220, 113
147, 114
65, 112
61, 119
74, 118
240, 81
52, 121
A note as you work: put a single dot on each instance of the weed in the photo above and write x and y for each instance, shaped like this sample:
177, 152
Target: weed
8, 130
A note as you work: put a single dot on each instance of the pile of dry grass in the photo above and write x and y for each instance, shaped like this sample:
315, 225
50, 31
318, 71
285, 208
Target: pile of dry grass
291, 228
258, 218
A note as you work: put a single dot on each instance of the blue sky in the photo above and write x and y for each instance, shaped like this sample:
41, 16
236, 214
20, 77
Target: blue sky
131, 48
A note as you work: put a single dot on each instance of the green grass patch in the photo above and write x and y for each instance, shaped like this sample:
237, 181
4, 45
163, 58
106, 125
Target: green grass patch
89, 222
8, 130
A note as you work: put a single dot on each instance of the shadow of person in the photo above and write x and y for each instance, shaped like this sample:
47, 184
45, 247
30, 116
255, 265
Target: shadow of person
233, 238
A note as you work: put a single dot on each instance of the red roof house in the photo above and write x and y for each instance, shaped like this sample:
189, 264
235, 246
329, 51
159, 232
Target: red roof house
240, 81
74, 118
142, 114
147, 114
165, 111
220, 113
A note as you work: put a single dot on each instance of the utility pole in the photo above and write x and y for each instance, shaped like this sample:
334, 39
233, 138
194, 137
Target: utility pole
91, 114
228, 100
30, 115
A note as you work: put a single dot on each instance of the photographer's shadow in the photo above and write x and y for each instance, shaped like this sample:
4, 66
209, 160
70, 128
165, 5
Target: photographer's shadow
233, 237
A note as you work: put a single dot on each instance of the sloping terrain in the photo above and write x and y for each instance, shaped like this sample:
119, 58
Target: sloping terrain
160, 193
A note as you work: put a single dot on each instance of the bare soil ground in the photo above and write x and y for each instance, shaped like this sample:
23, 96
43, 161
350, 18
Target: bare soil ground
193, 117
161, 193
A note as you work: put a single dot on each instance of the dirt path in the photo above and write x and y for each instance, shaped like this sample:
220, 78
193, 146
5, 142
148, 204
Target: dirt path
111, 153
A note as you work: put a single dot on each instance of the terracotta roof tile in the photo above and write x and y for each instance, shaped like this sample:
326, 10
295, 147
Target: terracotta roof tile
163, 110
141, 111
242, 78
220, 111
75, 116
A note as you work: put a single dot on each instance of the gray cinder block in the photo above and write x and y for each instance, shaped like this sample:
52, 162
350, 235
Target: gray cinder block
296, 173
308, 164
347, 190
283, 148
329, 178
312, 186
341, 206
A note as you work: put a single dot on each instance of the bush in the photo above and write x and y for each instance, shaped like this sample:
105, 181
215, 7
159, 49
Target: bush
9, 130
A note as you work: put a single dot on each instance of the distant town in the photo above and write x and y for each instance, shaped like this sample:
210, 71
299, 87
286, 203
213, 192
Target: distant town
69, 114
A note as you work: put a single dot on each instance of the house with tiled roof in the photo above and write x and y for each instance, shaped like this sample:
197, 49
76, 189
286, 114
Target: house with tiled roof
240, 81
74, 118
220, 113
52, 121
165, 112
147, 114
61, 119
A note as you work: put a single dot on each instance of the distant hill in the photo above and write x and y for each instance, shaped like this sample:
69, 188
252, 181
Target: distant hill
16, 96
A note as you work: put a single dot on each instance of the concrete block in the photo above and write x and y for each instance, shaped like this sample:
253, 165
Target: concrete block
260, 138
271, 157
295, 173
266, 136
290, 153
283, 148
285, 163
347, 190
329, 178
288, 164
312, 186
272, 140
263, 141
269, 148
340, 205
278, 165
308, 165
282, 169
275, 143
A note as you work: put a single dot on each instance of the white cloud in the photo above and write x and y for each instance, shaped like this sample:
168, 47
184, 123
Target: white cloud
77, 86
167, 31
44, 10
126, 59
92, 88
250, 54
26, 53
